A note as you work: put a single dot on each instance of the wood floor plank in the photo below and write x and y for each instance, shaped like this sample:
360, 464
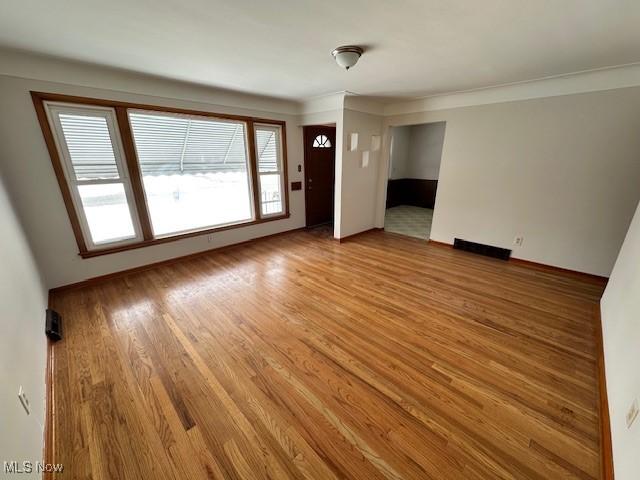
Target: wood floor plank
300, 357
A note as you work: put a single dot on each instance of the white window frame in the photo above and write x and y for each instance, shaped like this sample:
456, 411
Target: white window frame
247, 154
279, 164
53, 109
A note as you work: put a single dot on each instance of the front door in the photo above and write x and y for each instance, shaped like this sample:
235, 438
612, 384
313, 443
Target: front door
319, 173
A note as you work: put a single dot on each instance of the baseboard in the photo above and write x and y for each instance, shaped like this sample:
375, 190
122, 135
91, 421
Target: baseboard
353, 235
550, 268
606, 447
49, 414
142, 268
542, 266
440, 244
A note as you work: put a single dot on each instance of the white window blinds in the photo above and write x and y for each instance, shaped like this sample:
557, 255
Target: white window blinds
267, 150
89, 146
170, 144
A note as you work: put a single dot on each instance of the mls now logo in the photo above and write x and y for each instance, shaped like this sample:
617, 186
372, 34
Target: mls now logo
30, 467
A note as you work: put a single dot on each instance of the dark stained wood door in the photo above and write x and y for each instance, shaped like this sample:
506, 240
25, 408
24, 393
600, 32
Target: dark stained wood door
319, 173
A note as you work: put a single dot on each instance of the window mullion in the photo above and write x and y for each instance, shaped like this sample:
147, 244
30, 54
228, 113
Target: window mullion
133, 167
253, 163
284, 168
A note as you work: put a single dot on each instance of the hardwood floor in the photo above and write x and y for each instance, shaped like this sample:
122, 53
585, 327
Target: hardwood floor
300, 357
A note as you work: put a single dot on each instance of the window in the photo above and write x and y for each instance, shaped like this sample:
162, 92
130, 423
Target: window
194, 169
321, 141
269, 168
92, 161
134, 175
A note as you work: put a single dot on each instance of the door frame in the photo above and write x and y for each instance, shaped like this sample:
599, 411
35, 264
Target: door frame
385, 167
306, 146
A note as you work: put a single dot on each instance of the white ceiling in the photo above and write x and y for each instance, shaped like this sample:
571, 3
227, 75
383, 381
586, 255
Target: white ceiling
282, 48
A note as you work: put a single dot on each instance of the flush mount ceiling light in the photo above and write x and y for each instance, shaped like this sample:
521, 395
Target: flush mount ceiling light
347, 56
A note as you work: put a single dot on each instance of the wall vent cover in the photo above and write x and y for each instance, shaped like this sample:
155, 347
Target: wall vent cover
481, 249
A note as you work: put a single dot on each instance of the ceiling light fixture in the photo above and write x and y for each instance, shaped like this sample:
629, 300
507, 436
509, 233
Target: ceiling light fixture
347, 56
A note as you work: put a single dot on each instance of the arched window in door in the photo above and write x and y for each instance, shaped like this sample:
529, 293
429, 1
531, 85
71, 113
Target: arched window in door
321, 141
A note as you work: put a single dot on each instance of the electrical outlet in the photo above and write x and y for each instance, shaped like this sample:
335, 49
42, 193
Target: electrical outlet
632, 414
23, 399
210, 238
518, 241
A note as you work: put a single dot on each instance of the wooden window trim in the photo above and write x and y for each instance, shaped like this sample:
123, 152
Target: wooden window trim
133, 166
135, 175
253, 155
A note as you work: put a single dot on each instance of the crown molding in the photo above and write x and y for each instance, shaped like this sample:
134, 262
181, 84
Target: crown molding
323, 103
610, 78
364, 104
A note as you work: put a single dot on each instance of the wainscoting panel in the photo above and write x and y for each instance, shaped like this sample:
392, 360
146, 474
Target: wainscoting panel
411, 191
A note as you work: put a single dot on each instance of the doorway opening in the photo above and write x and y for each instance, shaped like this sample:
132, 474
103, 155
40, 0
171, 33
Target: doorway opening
414, 169
319, 174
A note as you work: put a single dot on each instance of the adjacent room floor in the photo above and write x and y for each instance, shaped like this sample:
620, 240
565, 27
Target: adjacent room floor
301, 357
409, 220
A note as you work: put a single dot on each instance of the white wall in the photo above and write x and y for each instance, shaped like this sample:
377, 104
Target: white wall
322, 110
416, 151
23, 300
357, 185
563, 171
27, 166
400, 141
425, 151
620, 309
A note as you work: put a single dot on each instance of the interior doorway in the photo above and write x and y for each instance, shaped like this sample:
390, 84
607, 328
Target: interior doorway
414, 169
319, 173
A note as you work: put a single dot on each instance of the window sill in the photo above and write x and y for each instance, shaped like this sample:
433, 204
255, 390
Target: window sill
158, 241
